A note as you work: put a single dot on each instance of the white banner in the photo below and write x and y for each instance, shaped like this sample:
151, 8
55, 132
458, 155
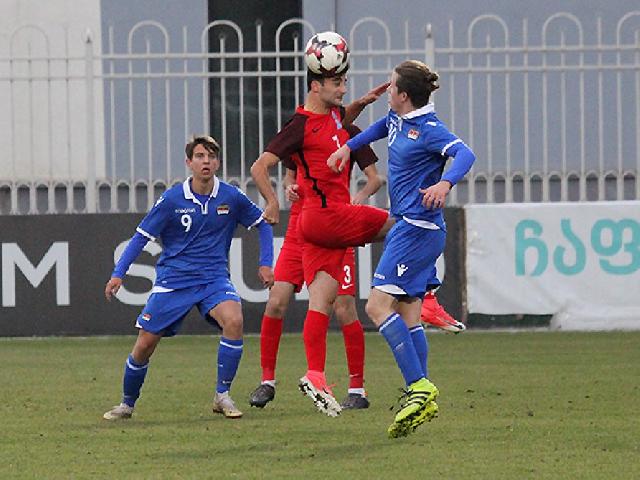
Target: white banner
578, 261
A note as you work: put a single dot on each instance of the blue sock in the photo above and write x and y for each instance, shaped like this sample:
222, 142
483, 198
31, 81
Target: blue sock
422, 347
133, 379
397, 335
229, 355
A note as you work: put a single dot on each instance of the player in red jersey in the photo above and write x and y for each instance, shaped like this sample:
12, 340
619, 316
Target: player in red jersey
289, 278
328, 223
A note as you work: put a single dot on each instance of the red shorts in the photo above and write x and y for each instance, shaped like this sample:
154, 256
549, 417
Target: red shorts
348, 282
341, 225
328, 232
321, 259
289, 266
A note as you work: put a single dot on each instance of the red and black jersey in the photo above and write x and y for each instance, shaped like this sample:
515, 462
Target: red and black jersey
309, 138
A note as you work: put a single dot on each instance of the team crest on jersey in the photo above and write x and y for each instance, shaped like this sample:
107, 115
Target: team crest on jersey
223, 209
413, 134
146, 316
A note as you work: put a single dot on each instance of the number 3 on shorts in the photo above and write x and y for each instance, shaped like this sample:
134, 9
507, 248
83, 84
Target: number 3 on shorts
347, 274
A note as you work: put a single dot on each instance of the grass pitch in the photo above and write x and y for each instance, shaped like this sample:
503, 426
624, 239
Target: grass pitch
512, 406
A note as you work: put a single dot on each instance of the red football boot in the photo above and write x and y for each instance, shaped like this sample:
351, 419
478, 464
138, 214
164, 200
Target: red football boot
433, 314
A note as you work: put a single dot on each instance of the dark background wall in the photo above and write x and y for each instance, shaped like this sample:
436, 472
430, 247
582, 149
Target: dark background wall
91, 241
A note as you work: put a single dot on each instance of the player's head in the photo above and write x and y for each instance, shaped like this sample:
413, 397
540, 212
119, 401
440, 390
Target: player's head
329, 89
209, 143
203, 156
411, 82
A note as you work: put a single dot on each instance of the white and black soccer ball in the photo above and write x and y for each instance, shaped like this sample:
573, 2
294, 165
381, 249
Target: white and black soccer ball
327, 54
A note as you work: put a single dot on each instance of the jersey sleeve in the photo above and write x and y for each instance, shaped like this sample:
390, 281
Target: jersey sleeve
249, 213
438, 139
154, 222
289, 163
364, 156
289, 139
463, 159
375, 131
131, 252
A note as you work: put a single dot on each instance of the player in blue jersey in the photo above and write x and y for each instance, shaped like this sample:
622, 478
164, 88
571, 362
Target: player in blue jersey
195, 222
419, 145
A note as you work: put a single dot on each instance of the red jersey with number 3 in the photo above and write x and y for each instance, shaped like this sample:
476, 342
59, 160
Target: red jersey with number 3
309, 138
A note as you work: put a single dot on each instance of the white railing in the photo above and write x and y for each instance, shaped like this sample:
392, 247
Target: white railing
555, 119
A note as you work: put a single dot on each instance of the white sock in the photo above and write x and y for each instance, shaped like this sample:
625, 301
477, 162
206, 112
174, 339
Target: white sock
359, 391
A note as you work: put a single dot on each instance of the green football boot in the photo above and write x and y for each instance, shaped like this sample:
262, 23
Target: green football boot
417, 406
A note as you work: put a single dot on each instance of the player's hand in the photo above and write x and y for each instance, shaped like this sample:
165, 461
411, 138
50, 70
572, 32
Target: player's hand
375, 93
339, 159
435, 195
271, 213
266, 276
291, 192
112, 287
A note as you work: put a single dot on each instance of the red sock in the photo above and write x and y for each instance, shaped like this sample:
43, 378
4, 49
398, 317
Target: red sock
314, 333
354, 346
270, 333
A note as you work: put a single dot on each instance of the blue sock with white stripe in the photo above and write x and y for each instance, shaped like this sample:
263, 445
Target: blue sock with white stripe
397, 335
421, 345
132, 381
229, 355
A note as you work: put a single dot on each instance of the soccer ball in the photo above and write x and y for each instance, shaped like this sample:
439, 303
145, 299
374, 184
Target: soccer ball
327, 54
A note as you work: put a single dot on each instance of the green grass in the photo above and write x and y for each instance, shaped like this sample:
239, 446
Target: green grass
512, 405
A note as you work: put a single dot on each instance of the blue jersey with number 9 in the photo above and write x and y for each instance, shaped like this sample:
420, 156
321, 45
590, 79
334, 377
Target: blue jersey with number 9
196, 236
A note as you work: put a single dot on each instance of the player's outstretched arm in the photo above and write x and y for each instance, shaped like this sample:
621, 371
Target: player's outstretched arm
463, 158
260, 174
339, 159
131, 252
355, 108
265, 272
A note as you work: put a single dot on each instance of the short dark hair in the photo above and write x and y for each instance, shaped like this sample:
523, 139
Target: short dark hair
311, 76
206, 141
319, 77
417, 81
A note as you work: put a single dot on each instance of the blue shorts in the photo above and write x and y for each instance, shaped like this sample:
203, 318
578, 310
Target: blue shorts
164, 312
408, 263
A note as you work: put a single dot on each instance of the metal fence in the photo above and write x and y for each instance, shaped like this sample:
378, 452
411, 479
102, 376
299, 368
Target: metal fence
552, 114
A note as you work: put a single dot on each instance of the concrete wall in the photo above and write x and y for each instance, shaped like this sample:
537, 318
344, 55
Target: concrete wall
49, 108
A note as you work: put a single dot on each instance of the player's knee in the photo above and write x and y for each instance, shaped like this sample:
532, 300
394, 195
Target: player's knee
232, 326
143, 349
276, 307
375, 311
